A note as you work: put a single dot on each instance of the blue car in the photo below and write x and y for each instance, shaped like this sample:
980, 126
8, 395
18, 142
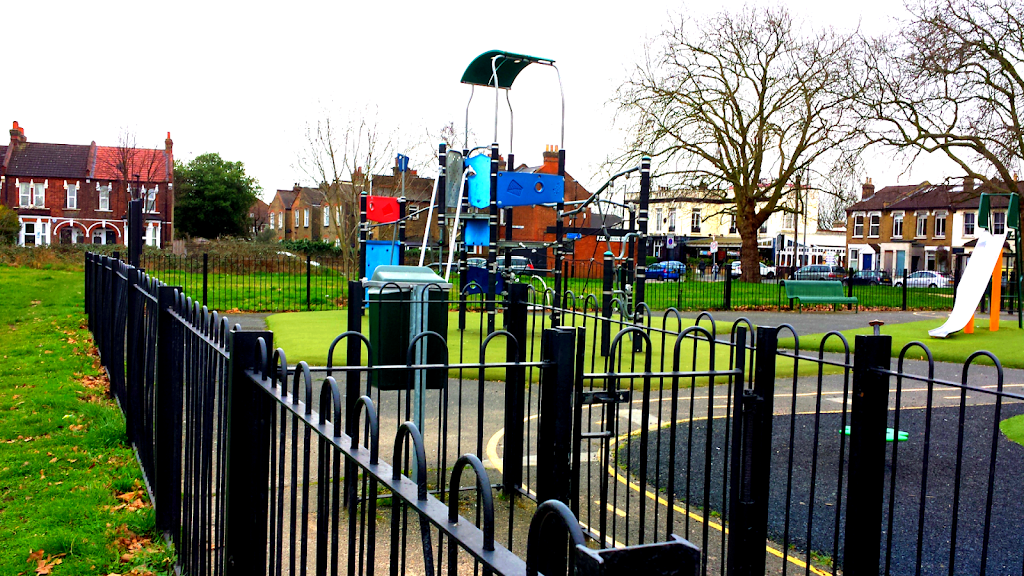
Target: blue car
669, 270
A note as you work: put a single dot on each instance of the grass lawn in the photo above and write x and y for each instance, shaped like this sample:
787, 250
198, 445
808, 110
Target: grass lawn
71, 501
1014, 428
308, 335
1006, 344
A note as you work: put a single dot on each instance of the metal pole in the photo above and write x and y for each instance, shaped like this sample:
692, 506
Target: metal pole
492, 247
866, 477
515, 387
247, 466
554, 434
751, 456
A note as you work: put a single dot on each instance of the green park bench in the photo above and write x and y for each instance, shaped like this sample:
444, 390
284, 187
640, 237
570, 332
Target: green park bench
818, 292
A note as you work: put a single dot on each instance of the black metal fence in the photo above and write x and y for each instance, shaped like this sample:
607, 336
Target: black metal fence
617, 430
292, 282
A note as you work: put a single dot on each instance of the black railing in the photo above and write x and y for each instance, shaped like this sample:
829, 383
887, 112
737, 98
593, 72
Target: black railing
771, 458
254, 466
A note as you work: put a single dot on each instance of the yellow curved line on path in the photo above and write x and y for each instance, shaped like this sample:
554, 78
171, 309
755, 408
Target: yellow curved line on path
498, 463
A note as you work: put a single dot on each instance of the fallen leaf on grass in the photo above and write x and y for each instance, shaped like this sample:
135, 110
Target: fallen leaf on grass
76, 427
134, 499
45, 565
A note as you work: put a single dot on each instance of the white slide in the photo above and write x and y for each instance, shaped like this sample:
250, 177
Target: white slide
973, 283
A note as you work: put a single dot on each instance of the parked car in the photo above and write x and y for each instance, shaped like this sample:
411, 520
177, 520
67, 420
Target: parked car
766, 270
477, 262
668, 270
870, 278
927, 279
820, 272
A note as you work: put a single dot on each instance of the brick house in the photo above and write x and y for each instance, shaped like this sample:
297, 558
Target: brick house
74, 194
307, 222
916, 227
279, 213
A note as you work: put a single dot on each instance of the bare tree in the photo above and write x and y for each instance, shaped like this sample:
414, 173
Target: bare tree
950, 81
133, 164
739, 105
341, 160
838, 190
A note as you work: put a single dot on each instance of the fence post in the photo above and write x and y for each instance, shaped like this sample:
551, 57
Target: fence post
866, 475
904, 286
463, 282
751, 456
515, 388
247, 467
554, 433
135, 226
727, 296
206, 273
309, 269
849, 287
133, 358
167, 420
606, 302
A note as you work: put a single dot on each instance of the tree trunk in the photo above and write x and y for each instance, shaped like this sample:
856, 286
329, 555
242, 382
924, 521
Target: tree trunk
747, 224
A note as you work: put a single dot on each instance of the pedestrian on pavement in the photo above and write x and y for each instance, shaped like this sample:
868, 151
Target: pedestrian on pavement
714, 272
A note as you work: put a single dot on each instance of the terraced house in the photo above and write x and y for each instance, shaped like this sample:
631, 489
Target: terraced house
75, 194
917, 227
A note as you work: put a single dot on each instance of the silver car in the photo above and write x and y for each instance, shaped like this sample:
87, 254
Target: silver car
926, 279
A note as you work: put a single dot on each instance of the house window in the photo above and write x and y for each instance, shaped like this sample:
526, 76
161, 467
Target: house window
104, 192
327, 216
787, 221
271, 220
296, 212
764, 227
657, 219
32, 195
280, 220
695, 221
897, 225
732, 224
672, 221
858, 225
305, 217
940, 225
151, 199
922, 225
72, 190
874, 224
969, 223
30, 234
999, 222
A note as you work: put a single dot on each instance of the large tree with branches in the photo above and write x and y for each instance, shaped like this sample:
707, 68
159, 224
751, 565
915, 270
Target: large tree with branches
950, 81
742, 105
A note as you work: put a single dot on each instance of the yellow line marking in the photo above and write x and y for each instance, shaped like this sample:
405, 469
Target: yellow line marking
492, 455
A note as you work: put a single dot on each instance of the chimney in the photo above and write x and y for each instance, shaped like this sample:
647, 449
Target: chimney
550, 160
168, 144
969, 184
868, 189
17, 134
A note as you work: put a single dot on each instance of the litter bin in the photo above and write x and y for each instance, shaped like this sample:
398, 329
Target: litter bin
405, 301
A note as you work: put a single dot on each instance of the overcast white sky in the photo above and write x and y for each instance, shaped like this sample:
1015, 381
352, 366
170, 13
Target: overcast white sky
245, 79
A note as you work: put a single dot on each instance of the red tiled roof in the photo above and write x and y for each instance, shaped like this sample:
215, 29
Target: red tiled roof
37, 159
150, 165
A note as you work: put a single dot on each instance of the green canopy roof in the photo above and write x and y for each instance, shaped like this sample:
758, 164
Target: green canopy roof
508, 64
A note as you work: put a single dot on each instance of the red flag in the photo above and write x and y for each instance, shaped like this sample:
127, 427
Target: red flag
382, 209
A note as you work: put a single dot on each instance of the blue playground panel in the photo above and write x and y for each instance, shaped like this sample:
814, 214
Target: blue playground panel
480, 183
479, 276
477, 233
529, 188
379, 253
